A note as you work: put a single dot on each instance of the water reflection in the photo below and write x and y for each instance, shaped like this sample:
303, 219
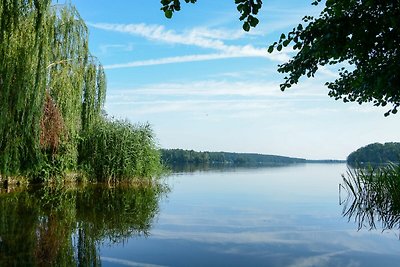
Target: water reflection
64, 227
225, 167
373, 197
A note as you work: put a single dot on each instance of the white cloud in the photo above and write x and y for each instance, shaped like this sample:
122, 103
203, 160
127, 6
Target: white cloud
236, 99
213, 88
105, 48
216, 108
222, 34
199, 37
170, 60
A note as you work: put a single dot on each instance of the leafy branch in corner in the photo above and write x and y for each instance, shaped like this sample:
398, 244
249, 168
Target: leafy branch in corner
248, 10
362, 36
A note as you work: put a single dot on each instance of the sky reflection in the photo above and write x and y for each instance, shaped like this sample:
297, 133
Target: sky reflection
259, 217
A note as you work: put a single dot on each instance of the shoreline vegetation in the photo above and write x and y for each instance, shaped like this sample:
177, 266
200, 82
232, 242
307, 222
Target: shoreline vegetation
375, 154
53, 128
373, 196
180, 159
372, 185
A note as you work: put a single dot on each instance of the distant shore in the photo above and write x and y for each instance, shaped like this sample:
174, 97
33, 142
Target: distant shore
176, 157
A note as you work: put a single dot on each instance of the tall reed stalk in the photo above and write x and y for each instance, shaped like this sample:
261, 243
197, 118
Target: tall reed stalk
374, 196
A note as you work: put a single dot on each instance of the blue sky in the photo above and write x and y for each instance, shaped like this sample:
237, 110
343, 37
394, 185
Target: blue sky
205, 84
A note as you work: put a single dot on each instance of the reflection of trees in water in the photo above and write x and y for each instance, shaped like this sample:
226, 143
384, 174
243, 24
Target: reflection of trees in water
58, 227
373, 197
224, 167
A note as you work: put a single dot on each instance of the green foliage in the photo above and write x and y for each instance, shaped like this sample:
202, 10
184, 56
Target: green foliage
115, 151
22, 82
45, 74
364, 36
373, 197
375, 153
248, 9
52, 91
173, 157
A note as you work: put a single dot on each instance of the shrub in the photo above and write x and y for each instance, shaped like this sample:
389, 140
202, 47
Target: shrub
116, 151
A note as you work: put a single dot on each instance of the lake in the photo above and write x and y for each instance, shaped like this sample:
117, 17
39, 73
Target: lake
276, 216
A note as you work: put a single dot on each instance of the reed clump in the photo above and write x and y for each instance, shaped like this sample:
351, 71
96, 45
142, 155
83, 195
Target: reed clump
374, 196
119, 151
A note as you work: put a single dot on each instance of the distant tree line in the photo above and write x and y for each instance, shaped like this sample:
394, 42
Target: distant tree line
375, 153
172, 157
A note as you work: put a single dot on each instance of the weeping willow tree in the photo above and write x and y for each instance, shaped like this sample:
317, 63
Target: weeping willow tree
52, 91
22, 83
51, 88
76, 83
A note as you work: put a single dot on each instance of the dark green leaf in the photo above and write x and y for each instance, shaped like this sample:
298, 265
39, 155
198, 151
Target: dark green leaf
286, 42
253, 22
246, 26
168, 14
299, 27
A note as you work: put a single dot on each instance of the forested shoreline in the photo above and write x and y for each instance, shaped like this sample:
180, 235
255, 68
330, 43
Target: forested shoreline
375, 153
175, 157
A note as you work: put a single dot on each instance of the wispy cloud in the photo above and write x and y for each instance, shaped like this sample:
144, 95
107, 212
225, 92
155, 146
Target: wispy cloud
202, 37
208, 88
105, 48
213, 39
219, 98
170, 60
231, 108
223, 87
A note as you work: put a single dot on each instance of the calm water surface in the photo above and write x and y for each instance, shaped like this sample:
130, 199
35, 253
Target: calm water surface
282, 216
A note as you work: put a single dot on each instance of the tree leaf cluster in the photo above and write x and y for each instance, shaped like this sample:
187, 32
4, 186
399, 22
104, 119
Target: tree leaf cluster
248, 10
170, 6
361, 35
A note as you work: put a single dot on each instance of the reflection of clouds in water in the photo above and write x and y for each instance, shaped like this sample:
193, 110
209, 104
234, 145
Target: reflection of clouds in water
129, 263
230, 221
321, 260
289, 248
306, 240
218, 237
